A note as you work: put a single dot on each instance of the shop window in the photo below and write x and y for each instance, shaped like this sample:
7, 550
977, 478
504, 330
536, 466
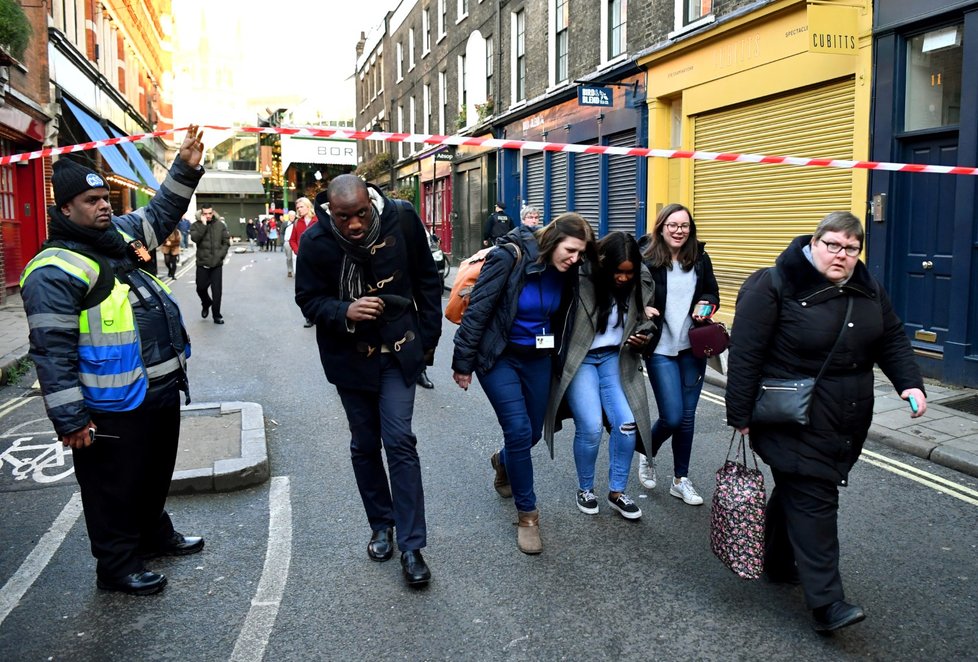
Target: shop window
933, 93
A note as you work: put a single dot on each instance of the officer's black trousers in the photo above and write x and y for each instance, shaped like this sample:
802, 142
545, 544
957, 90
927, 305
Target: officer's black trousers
124, 478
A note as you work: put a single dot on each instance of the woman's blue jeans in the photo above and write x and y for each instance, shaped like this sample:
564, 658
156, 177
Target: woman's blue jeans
518, 388
676, 384
596, 387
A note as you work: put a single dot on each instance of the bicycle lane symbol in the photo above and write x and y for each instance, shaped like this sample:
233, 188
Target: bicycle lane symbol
37, 456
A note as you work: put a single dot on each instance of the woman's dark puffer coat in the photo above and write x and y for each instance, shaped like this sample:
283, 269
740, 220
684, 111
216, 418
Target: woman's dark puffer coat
796, 342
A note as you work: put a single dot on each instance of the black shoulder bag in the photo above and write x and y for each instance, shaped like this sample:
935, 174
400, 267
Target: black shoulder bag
788, 401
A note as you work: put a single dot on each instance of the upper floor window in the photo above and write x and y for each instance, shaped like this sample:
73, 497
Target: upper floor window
489, 70
519, 55
426, 109
399, 54
463, 9
426, 31
693, 10
442, 18
410, 49
442, 99
933, 94
561, 45
616, 21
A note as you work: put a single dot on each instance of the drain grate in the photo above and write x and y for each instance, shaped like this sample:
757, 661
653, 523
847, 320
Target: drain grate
968, 405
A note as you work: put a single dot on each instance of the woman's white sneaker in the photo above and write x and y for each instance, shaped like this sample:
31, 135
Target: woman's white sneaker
684, 490
646, 472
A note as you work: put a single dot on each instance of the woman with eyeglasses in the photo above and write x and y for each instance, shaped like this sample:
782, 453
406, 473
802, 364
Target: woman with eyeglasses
818, 306
684, 284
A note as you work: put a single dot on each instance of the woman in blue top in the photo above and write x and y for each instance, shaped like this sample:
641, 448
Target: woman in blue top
684, 281
509, 335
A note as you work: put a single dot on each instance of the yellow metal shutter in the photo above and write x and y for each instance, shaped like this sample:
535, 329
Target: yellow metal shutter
747, 213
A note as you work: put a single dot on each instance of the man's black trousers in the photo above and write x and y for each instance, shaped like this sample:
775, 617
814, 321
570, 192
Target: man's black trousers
210, 279
124, 478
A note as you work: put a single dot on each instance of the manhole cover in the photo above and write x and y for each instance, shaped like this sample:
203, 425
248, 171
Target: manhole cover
968, 405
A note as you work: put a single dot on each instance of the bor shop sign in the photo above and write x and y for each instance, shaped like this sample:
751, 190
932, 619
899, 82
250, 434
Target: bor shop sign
303, 149
833, 29
590, 95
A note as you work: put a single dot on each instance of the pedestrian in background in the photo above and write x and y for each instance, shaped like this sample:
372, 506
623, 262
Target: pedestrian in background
508, 337
184, 227
818, 305
262, 234
111, 365
273, 234
601, 376
684, 281
497, 224
286, 241
251, 231
530, 217
305, 220
171, 253
373, 343
213, 240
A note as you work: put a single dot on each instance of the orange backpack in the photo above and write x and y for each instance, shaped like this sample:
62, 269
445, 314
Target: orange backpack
465, 277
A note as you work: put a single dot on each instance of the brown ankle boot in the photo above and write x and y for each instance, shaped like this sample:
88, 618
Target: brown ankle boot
501, 481
528, 532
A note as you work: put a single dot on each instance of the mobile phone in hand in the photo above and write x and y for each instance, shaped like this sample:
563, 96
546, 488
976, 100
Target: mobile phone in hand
914, 407
704, 310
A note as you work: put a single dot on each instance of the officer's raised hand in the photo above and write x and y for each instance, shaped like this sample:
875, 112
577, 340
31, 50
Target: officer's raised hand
192, 149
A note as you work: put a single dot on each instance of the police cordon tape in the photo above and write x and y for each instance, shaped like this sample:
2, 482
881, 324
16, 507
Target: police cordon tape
530, 145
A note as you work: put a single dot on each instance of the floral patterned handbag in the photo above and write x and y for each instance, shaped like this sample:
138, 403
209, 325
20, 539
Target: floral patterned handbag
737, 516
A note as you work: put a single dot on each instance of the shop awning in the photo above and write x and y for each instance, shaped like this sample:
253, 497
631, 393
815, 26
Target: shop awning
229, 183
94, 130
136, 159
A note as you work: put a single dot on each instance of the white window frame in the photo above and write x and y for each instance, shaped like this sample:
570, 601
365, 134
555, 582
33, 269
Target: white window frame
410, 49
442, 16
461, 11
426, 110
460, 79
442, 100
399, 55
682, 28
425, 31
400, 129
552, 43
514, 57
606, 32
411, 122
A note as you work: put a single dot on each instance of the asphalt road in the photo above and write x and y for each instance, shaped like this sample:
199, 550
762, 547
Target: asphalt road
285, 576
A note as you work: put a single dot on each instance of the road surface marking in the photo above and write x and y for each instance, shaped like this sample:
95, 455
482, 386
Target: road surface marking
942, 485
716, 399
9, 406
40, 556
261, 616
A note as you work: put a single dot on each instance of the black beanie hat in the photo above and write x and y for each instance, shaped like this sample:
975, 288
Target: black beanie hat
70, 178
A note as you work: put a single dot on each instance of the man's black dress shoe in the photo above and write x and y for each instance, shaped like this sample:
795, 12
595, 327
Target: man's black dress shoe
837, 615
177, 545
381, 545
218, 320
204, 310
138, 583
423, 380
416, 572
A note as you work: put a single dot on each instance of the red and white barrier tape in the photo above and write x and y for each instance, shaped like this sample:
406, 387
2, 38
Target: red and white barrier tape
498, 143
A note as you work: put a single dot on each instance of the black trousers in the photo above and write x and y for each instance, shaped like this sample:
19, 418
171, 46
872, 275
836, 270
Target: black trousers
801, 529
171, 264
210, 279
124, 478
383, 420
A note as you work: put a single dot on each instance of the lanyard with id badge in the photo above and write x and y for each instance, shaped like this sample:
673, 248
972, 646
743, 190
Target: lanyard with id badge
544, 340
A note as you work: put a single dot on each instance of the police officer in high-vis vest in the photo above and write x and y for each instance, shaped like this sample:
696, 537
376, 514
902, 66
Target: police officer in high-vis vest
111, 353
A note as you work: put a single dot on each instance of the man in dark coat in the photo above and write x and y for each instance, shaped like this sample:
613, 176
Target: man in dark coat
497, 224
366, 279
213, 240
788, 331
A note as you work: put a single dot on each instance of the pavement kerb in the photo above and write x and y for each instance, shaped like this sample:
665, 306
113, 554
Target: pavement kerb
942, 454
9, 362
249, 467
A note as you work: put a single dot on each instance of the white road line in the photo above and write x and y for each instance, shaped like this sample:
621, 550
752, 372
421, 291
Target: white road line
19, 402
942, 485
258, 624
16, 586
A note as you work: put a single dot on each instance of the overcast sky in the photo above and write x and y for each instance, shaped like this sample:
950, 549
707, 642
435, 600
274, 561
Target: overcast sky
231, 59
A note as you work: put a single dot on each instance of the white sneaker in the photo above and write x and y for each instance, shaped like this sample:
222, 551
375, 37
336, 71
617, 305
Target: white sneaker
646, 472
685, 491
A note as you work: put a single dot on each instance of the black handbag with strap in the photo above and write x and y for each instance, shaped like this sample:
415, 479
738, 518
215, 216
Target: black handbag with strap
788, 401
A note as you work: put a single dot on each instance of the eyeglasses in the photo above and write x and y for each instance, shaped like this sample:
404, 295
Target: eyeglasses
676, 227
834, 248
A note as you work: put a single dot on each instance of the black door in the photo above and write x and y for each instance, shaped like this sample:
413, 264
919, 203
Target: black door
923, 215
